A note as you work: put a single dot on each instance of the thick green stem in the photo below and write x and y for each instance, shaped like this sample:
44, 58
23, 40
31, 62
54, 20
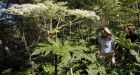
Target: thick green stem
71, 71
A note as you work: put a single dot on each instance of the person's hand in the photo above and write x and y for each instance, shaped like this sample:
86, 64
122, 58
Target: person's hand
112, 51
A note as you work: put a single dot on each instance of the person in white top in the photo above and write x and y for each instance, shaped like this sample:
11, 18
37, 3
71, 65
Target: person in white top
106, 45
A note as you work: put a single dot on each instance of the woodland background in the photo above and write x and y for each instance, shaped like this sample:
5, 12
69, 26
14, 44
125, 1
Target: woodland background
59, 37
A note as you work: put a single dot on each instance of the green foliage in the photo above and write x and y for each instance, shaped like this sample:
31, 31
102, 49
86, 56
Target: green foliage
22, 72
60, 38
48, 69
70, 55
95, 69
41, 49
136, 54
125, 43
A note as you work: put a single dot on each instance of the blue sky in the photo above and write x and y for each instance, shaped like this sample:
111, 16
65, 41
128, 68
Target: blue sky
3, 5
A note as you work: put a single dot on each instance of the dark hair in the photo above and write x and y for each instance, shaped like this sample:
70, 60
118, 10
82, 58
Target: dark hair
129, 28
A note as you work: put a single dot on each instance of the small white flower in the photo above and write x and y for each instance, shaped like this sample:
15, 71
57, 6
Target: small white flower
24, 8
84, 13
50, 8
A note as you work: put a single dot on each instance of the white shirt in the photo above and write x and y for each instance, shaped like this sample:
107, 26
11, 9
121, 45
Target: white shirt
106, 44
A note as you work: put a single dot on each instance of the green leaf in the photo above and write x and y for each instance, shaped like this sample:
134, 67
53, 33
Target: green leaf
41, 49
49, 70
36, 52
65, 61
58, 42
133, 52
51, 41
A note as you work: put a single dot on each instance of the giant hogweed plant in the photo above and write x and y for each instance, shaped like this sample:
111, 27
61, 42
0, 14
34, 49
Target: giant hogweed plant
46, 13
71, 58
49, 11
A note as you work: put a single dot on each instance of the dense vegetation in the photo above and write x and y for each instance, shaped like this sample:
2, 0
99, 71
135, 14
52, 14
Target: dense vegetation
59, 37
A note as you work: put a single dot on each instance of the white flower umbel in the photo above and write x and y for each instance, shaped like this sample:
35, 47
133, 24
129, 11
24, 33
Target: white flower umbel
49, 9
84, 13
24, 9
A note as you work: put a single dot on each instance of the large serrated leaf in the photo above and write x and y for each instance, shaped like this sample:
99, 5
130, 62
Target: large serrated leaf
36, 52
58, 42
136, 55
51, 41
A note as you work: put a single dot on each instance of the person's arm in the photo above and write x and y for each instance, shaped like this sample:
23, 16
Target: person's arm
113, 45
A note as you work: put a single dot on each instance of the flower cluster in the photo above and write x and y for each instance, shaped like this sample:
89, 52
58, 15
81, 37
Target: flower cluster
24, 9
49, 9
84, 13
